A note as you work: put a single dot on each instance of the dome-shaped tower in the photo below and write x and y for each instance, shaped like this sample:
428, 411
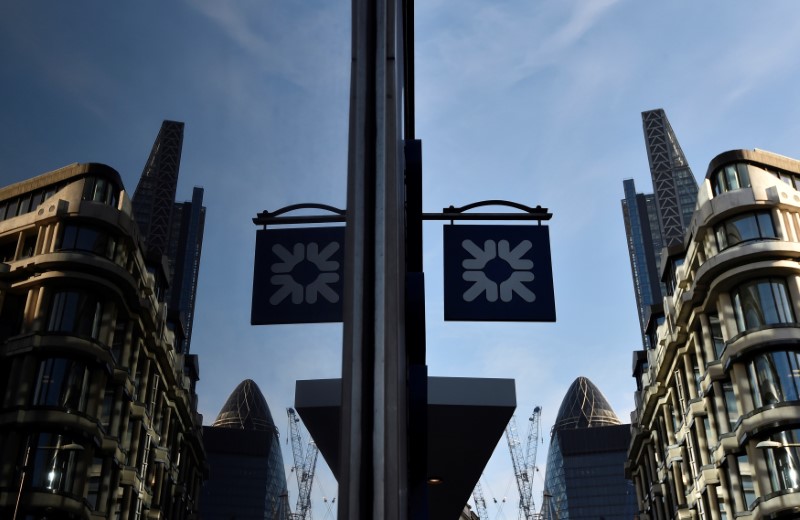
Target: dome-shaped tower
584, 406
246, 476
588, 444
246, 409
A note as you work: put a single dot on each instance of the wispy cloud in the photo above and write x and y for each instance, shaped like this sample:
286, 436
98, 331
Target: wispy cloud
285, 41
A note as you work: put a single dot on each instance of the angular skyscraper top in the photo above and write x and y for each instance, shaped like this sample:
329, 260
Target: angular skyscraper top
155, 193
673, 182
658, 220
171, 229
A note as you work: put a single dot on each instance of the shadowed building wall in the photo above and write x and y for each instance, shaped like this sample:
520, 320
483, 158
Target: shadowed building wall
98, 409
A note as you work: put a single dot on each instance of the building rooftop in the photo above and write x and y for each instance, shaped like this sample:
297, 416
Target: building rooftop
584, 406
246, 409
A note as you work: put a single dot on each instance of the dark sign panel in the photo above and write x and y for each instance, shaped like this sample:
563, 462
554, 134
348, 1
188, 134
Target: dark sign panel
298, 275
498, 273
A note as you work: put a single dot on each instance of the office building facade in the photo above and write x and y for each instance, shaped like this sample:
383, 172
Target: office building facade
657, 220
98, 412
247, 478
585, 475
643, 233
716, 429
170, 229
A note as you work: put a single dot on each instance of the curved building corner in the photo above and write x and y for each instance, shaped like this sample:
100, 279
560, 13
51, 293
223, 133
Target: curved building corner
716, 429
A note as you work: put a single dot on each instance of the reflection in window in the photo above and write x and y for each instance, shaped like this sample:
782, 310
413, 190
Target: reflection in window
784, 463
94, 481
54, 462
731, 177
75, 312
98, 189
28, 246
716, 334
760, 303
746, 479
62, 383
730, 404
742, 228
84, 237
672, 275
774, 377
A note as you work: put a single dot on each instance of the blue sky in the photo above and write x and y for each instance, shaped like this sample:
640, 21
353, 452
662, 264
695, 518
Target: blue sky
533, 101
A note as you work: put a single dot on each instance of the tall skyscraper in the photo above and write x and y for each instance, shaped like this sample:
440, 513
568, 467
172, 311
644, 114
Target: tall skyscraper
716, 430
171, 229
674, 184
657, 220
246, 472
643, 232
185, 246
585, 475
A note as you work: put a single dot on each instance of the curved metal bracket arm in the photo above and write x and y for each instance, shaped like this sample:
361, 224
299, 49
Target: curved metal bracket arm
265, 218
453, 213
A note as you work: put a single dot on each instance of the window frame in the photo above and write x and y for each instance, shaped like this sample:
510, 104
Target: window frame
722, 231
755, 309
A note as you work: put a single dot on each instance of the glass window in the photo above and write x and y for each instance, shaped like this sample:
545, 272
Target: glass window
746, 479
54, 459
36, 199
28, 246
760, 303
76, 312
83, 237
8, 249
12, 208
783, 462
711, 440
93, 484
743, 228
62, 383
730, 404
723, 513
774, 377
716, 334
97, 189
24, 204
118, 340
731, 177
12, 310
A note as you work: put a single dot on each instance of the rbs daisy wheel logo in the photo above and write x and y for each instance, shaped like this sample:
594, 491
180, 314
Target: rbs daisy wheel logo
298, 276
498, 273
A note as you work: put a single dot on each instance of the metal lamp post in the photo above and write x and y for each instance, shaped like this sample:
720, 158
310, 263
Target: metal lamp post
775, 444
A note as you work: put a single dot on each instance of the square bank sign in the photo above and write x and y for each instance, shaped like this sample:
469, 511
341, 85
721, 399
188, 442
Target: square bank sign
297, 276
498, 273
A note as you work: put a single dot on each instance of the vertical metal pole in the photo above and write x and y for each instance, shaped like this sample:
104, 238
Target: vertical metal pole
373, 465
415, 337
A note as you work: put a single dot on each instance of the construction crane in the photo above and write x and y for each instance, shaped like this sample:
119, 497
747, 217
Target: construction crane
480, 502
305, 463
525, 462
